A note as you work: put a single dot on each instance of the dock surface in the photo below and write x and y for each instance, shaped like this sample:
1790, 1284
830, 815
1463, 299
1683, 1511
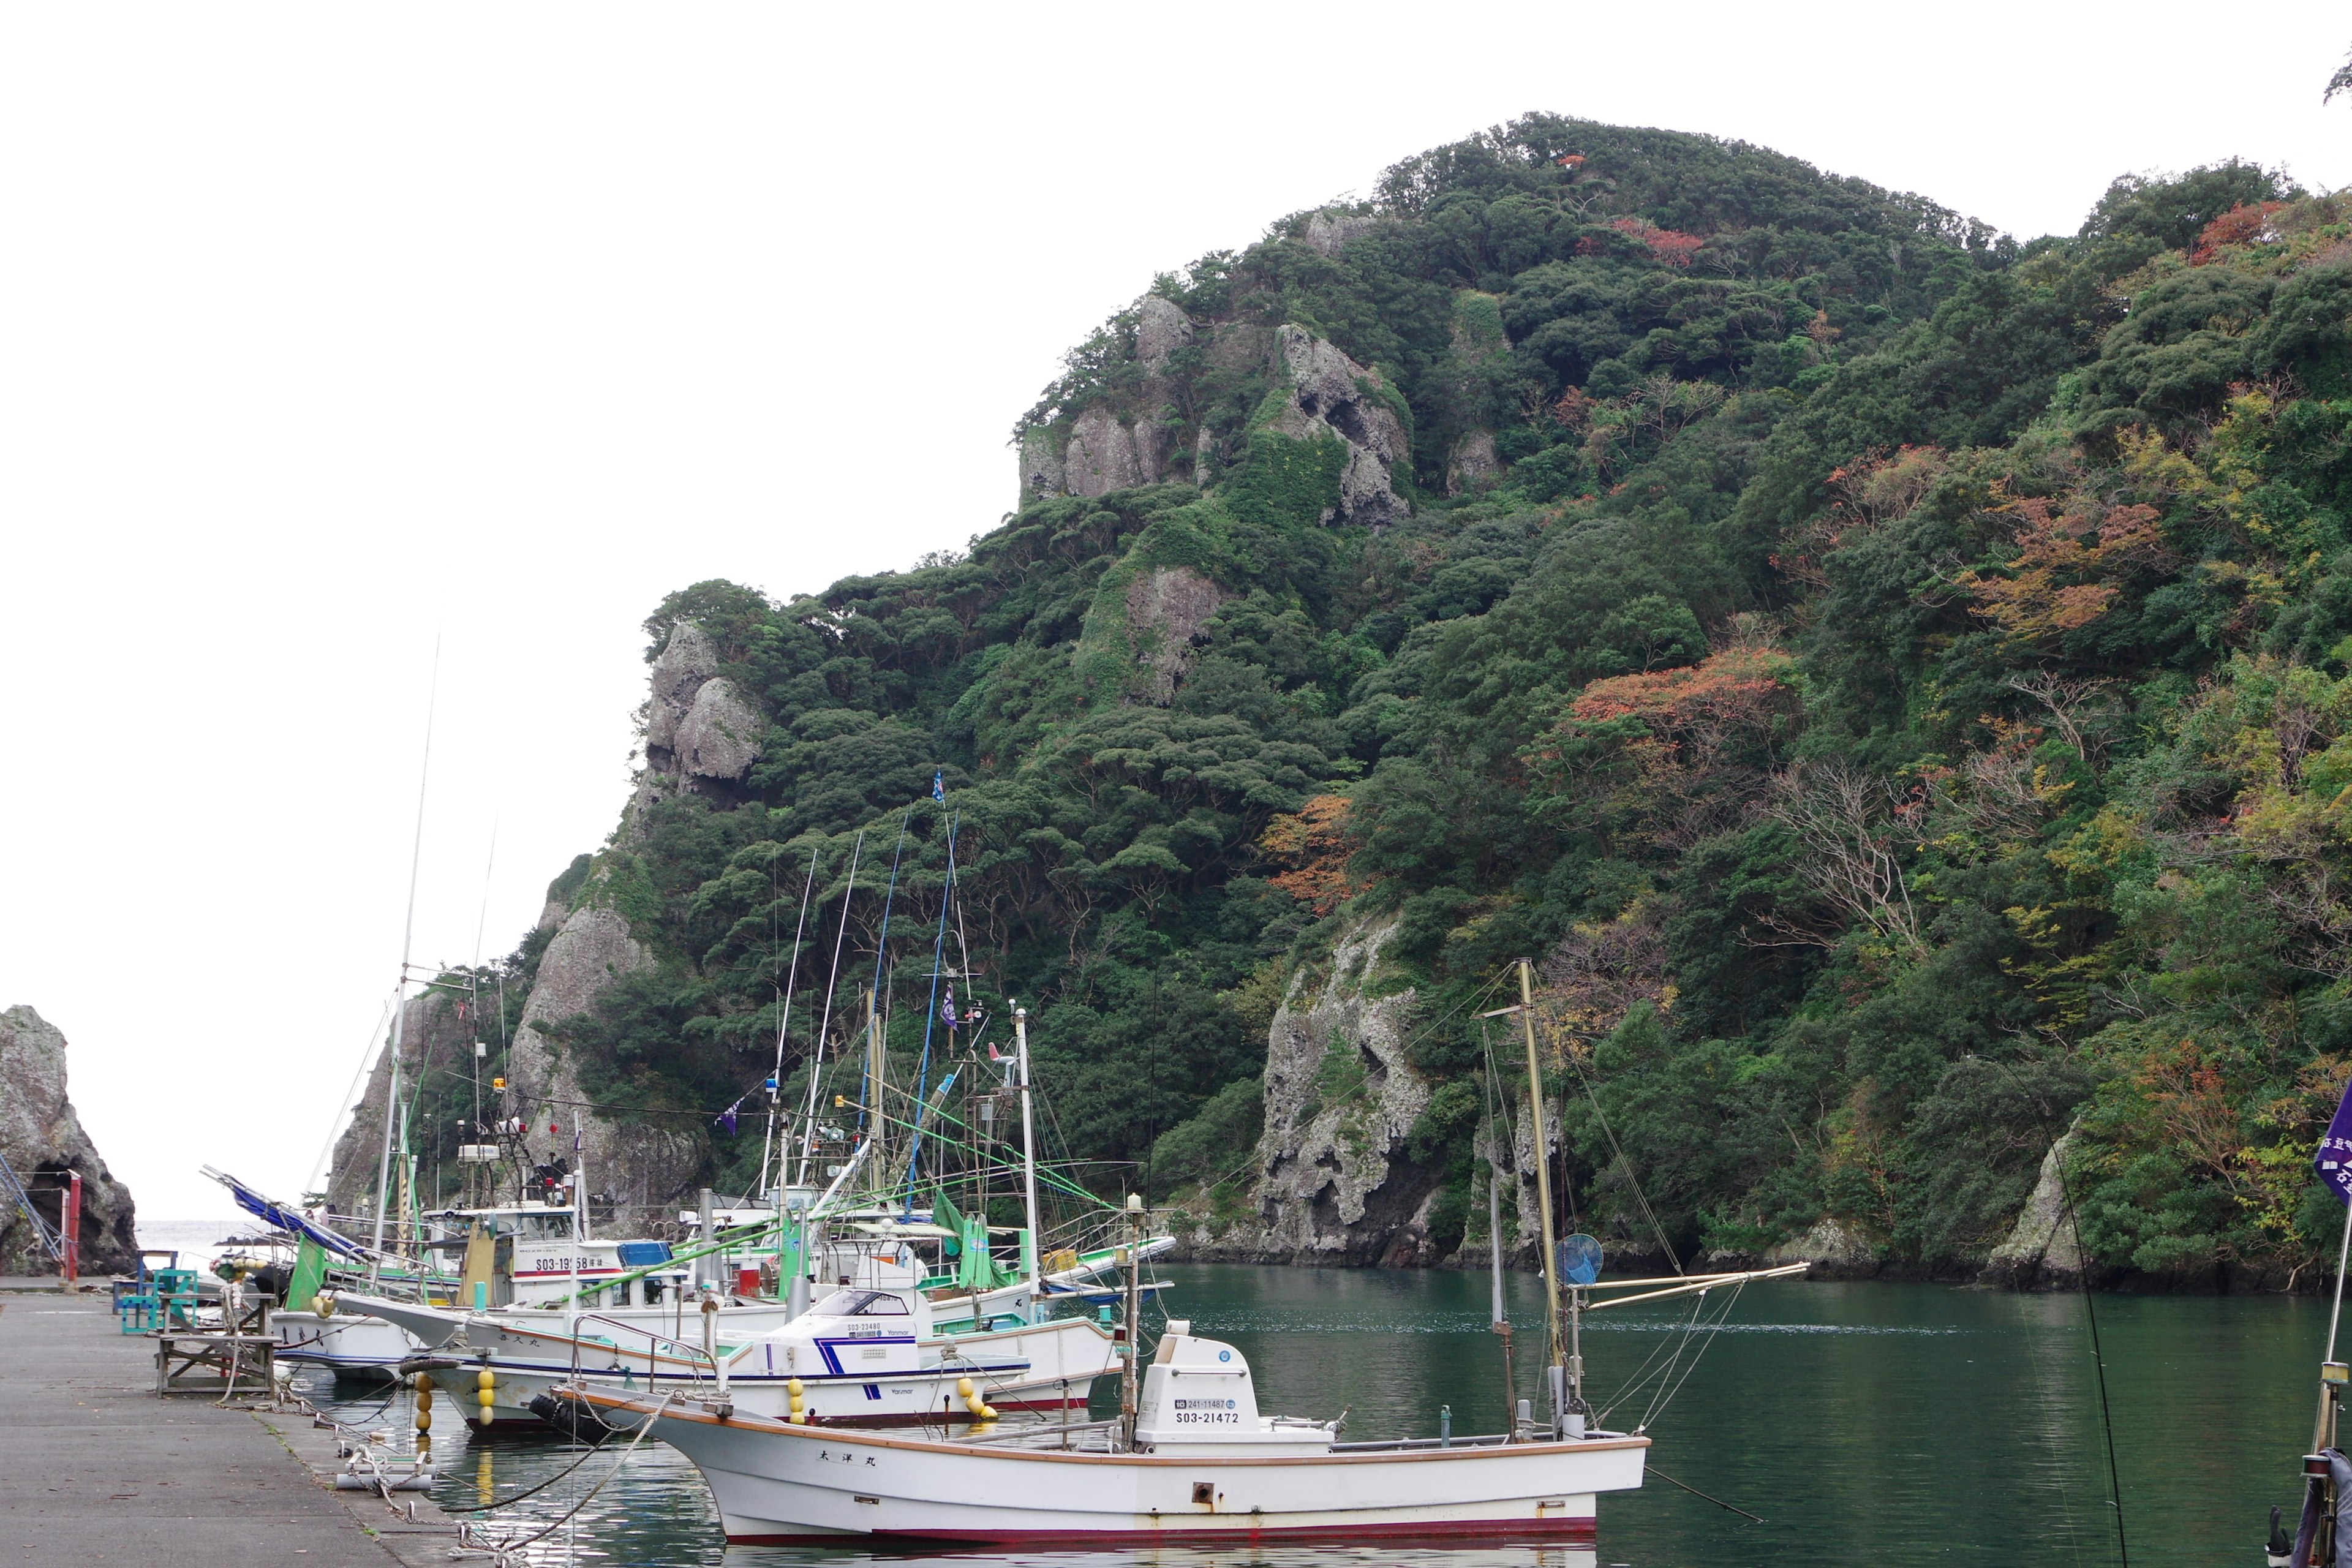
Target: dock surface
94, 1469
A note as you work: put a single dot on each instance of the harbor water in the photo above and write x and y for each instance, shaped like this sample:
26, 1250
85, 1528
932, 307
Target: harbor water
1878, 1424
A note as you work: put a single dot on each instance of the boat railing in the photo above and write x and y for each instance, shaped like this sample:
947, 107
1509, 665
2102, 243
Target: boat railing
1030, 1436
695, 1355
1414, 1445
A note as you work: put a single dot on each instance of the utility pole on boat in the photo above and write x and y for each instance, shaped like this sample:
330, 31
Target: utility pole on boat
1029, 1168
399, 992
1562, 1375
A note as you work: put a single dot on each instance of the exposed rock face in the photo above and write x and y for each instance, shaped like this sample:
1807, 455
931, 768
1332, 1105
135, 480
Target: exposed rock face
1166, 610
635, 1165
1041, 465
1155, 451
43, 1139
1836, 1249
688, 659
1160, 328
1340, 1098
2041, 1252
1328, 233
1473, 464
702, 734
1101, 457
720, 736
1329, 395
432, 1036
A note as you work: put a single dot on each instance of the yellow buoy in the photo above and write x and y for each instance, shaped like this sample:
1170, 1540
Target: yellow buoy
323, 1305
485, 1380
963, 1387
425, 1421
986, 1411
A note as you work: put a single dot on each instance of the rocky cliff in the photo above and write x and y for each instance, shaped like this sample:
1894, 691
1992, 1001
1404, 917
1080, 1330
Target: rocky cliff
1332, 1184
42, 1139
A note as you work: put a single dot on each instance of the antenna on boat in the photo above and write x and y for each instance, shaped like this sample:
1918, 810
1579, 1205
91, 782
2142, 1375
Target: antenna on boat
399, 992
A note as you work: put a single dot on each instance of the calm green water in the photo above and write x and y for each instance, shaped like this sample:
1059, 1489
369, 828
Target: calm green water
1886, 1424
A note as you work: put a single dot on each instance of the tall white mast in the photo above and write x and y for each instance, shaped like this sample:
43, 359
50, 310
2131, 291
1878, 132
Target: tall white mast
399, 992
1029, 1165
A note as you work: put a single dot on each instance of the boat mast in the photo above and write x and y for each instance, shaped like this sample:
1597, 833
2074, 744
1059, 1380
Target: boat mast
1134, 1323
1029, 1167
399, 992
1562, 1375
825, 1020
783, 1022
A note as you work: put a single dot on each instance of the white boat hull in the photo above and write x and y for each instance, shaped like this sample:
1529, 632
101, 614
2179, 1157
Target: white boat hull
774, 1482
1034, 1369
345, 1342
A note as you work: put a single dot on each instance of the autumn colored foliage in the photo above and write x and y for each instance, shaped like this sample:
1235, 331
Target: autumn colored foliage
1313, 843
2070, 559
2242, 225
1671, 246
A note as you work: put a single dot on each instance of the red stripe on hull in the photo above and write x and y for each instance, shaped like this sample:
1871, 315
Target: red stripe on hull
1576, 1531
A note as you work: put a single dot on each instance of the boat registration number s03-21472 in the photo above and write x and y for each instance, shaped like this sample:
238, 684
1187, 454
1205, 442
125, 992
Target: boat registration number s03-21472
1207, 1413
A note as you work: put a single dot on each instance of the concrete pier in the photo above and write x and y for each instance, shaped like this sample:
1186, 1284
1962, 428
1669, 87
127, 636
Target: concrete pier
94, 1469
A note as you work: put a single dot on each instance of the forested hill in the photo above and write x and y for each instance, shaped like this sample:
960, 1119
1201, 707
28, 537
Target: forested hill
1893, 678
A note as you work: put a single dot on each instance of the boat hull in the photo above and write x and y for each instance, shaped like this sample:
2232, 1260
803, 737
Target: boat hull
354, 1346
777, 1483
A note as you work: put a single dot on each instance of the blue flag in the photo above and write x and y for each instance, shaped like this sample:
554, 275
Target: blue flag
939, 786
2333, 1160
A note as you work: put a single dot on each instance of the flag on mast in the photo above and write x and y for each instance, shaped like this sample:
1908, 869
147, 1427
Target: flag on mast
2334, 1159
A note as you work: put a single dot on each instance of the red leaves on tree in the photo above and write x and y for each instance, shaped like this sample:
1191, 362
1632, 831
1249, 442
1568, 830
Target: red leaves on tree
2241, 225
1670, 246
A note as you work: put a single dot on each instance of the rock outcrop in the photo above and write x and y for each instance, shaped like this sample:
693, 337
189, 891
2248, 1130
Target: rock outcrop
636, 1167
43, 1140
1327, 234
1473, 464
433, 1037
2041, 1252
1101, 455
1041, 465
700, 730
719, 737
1166, 610
1334, 1186
1161, 328
1331, 393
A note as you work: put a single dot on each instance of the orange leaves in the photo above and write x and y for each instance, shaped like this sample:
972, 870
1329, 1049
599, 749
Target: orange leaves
1670, 246
1313, 843
1740, 686
2064, 576
2241, 225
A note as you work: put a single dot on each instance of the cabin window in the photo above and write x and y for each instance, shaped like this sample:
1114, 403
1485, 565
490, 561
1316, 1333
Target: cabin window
861, 1304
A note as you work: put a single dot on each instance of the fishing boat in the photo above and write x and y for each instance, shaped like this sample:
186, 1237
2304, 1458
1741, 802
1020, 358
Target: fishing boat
859, 1357
1202, 1465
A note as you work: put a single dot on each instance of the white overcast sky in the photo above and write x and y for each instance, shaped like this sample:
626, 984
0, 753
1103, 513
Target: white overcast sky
329, 330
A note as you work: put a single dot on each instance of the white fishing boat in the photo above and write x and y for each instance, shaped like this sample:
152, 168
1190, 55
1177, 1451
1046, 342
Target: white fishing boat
859, 1357
1202, 1465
